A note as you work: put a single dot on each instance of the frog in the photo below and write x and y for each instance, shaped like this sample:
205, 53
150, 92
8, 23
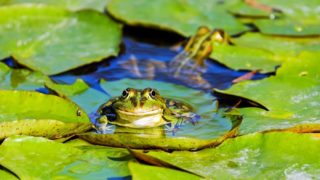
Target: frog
143, 109
187, 66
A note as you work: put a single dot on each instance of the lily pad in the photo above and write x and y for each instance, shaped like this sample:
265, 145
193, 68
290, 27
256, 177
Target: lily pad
98, 162
183, 17
292, 96
252, 156
300, 18
6, 175
20, 79
144, 172
35, 157
53, 40
210, 131
80, 93
249, 53
72, 5
19, 105
33, 113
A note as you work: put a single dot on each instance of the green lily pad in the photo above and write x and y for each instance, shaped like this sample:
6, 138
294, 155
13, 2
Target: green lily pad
148, 142
80, 93
36, 157
300, 18
72, 5
53, 40
98, 162
6, 175
33, 113
19, 105
249, 53
253, 156
144, 172
32, 158
20, 79
291, 96
183, 17
211, 130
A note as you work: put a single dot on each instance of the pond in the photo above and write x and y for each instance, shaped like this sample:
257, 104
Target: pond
232, 86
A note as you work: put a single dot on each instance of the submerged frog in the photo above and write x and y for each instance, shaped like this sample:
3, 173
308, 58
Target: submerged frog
146, 108
188, 66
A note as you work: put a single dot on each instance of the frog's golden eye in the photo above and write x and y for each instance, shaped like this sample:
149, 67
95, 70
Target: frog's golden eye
125, 93
152, 93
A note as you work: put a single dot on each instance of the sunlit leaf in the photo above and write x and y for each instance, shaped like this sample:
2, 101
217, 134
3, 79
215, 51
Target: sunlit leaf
256, 51
31, 158
292, 96
35, 157
33, 113
300, 18
79, 92
141, 171
183, 17
98, 162
20, 79
6, 175
73, 5
146, 142
52, 40
253, 156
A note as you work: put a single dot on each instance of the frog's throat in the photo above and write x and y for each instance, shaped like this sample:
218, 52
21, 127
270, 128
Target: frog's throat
147, 119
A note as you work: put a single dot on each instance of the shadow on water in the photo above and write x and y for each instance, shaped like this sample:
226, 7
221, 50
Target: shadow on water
143, 53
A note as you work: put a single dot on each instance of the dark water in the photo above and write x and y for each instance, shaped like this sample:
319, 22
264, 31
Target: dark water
148, 46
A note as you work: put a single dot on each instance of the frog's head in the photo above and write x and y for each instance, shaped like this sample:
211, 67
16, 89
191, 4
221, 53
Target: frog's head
140, 108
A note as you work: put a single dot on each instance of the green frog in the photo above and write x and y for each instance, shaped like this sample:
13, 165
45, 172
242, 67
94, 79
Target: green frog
143, 108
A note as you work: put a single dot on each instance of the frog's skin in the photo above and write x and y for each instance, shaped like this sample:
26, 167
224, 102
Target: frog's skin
145, 108
189, 65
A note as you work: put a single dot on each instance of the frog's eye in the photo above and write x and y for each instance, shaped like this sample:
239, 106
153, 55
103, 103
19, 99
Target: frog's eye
125, 93
152, 93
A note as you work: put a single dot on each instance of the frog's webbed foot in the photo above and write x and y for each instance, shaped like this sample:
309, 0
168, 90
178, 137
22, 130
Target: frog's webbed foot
102, 125
193, 118
174, 126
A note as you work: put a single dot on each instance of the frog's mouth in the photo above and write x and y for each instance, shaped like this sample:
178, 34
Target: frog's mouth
140, 118
140, 112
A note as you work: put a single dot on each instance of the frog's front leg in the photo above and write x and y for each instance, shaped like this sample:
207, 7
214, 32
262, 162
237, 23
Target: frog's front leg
101, 125
174, 122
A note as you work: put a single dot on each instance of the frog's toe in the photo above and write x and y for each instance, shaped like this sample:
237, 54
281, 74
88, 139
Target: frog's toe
194, 119
172, 128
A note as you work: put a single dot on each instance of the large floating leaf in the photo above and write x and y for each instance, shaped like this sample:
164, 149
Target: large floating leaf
299, 17
98, 162
292, 96
79, 92
52, 40
254, 156
19, 105
33, 113
73, 5
147, 142
20, 79
6, 175
183, 17
35, 157
256, 51
144, 172
32, 158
